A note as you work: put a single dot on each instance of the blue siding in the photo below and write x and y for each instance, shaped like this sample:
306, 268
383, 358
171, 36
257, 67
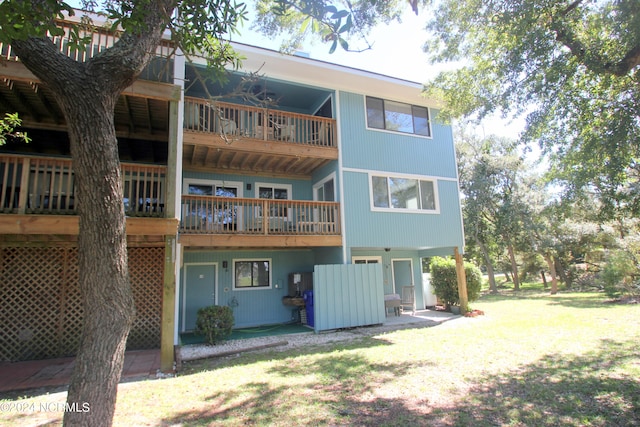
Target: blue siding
254, 307
393, 152
368, 229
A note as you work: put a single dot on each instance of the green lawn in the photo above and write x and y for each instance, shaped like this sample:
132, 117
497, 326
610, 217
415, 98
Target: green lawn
532, 360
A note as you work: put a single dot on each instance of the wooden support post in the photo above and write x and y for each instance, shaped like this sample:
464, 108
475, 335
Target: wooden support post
168, 306
462, 282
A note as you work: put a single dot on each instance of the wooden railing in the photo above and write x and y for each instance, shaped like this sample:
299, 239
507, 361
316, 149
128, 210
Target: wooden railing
233, 121
101, 39
229, 215
42, 185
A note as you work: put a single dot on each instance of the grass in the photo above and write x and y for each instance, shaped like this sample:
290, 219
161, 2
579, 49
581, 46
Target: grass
533, 360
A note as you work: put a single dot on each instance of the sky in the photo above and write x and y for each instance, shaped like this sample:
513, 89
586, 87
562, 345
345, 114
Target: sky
397, 51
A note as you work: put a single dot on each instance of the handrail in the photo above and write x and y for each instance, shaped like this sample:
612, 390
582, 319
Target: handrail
101, 39
236, 215
49, 187
235, 121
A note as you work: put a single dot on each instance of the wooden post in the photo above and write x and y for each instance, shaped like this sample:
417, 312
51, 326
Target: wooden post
168, 306
462, 282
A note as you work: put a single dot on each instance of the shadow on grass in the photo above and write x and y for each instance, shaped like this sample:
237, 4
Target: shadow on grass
331, 394
572, 391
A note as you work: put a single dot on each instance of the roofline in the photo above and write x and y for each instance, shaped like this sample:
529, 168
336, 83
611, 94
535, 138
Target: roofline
329, 75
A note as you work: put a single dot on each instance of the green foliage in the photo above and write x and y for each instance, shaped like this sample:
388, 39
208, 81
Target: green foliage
620, 275
571, 67
338, 23
445, 281
7, 128
215, 323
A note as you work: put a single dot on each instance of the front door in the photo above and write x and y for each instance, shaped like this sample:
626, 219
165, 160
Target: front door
199, 291
402, 274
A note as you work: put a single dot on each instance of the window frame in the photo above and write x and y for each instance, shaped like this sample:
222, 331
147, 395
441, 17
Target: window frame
252, 260
412, 107
287, 187
368, 259
214, 183
390, 208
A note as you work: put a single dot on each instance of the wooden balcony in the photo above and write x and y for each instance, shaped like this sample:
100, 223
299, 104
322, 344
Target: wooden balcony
240, 222
226, 137
37, 196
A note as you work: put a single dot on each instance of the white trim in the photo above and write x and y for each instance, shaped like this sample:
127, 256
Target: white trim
399, 174
341, 180
184, 288
252, 288
213, 182
393, 273
288, 187
419, 178
317, 185
355, 258
396, 132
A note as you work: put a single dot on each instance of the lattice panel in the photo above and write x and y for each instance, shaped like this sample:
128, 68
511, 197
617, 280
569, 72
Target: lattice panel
29, 291
146, 269
41, 308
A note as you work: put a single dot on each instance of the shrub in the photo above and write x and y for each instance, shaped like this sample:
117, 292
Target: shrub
215, 323
445, 280
619, 275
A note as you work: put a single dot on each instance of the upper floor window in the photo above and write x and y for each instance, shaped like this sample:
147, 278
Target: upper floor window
397, 116
403, 193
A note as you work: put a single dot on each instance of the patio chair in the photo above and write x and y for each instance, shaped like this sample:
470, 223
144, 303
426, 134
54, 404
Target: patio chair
409, 298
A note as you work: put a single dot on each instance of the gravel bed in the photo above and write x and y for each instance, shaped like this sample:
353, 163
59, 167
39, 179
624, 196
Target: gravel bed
285, 342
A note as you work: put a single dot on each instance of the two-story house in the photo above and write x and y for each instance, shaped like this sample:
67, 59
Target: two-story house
234, 197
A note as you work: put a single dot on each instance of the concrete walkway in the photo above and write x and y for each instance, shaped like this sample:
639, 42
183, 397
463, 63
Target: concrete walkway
16, 376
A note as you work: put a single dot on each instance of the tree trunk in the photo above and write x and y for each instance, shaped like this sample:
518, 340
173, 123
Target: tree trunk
552, 272
490, 273
544, 279
87, 93
560, 271
514, 267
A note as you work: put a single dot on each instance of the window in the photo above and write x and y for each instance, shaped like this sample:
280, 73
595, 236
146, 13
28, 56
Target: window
274, 192
366, 260
251, 274
397, 116
325, 190
403, 193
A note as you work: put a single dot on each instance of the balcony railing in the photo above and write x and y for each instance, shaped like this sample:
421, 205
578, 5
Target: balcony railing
230, 215
233, 121
41, 185
101, 39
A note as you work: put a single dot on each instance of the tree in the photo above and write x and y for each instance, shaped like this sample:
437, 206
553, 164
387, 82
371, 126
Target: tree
491, 172
341, 23
571, 66
8, 125
87, 93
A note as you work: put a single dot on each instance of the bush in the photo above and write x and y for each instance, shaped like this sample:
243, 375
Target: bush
619, 275
215, 323
445, 280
